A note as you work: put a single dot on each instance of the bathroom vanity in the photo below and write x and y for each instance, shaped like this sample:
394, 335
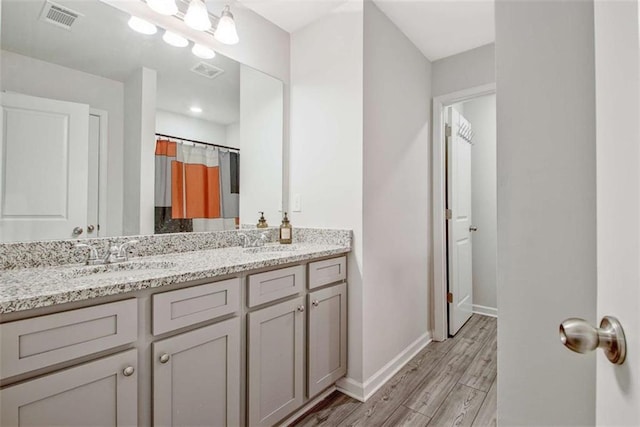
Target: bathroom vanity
225, 336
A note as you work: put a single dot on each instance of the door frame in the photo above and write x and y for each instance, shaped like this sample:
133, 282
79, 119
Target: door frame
440, 326
103, 176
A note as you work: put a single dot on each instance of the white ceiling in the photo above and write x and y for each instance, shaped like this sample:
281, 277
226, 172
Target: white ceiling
439, 28
291, 15
102, 44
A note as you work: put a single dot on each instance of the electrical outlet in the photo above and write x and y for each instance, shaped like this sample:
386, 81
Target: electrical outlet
297, 203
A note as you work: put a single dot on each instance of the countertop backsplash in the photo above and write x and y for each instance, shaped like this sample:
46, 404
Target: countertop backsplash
51, 253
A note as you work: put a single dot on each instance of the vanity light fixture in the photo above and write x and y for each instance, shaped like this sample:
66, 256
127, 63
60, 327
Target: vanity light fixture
226, 30
163, 7
202, 51
197, 16
197, 110
142, 26
174, 39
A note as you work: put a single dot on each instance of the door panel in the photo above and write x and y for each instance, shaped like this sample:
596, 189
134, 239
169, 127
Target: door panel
617, 52
459, 235
327, 337
197, 377
94, 394
276, 364
43, 168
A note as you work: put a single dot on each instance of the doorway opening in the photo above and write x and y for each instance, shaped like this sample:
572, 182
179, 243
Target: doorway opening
464, 200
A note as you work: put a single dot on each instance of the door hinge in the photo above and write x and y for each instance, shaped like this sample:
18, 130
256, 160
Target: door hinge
449, 297
447, 130
448, 213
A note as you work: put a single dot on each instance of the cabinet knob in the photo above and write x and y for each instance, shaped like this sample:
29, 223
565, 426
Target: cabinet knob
301, 308
164, 358
128, 371
77, 231
315, 303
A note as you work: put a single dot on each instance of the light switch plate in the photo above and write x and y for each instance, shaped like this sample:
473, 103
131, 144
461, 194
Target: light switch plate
297, 203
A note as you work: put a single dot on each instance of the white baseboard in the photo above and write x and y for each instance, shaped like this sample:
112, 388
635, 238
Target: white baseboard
313, 402
363, 391
485, 311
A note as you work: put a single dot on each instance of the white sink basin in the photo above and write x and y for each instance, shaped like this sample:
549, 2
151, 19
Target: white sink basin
116, 270
271, 249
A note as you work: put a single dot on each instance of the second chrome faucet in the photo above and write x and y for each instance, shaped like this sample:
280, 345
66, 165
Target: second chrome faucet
114, 254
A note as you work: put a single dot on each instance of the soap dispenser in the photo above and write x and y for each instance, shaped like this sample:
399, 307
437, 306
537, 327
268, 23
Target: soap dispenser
285, 231
262, 222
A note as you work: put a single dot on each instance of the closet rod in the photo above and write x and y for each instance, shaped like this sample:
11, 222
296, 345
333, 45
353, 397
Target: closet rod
197, 142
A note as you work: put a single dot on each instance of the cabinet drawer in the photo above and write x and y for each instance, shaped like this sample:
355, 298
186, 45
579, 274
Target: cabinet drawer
43, 341
184, 307
328, 271
273, 285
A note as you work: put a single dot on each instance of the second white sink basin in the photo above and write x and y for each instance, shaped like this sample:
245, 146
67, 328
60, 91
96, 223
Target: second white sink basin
271, 249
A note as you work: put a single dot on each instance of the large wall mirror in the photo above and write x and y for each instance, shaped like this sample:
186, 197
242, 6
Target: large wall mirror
107, 131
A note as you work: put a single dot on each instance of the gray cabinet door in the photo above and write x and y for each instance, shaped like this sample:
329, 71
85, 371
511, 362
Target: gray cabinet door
196, 377
276, 365
327, 337
100, 393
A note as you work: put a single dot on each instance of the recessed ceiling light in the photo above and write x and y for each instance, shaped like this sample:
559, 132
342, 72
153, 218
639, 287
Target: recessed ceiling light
174, 39
196, 109
202, 51
142, 26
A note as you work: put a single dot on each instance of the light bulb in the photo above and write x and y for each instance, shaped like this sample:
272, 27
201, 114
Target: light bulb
202, 51
226, 30
174, 39
163, 7
197, 16
142, 26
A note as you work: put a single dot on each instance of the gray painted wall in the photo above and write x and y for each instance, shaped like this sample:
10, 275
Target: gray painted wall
397, 186
481, 113
475, 67
546, 209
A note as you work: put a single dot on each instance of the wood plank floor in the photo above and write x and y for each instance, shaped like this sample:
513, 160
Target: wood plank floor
450, 383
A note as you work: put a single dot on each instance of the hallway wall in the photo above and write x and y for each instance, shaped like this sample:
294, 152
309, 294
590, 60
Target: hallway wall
481, 113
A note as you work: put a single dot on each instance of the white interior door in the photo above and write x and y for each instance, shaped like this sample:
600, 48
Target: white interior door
43, 168
617, 51
458, 226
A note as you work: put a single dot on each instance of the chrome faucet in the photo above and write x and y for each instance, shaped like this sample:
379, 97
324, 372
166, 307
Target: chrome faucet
92, 259
247, 242
114, 254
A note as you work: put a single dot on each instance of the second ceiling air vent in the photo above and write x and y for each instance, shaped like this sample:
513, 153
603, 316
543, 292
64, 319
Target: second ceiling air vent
207, 70
58, 15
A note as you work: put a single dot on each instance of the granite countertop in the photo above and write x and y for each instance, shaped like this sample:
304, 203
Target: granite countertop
28, 288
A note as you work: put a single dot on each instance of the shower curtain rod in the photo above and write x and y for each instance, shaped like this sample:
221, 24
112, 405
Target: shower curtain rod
197, 142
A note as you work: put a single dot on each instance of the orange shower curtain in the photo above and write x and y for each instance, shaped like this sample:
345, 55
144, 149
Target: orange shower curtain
196, 190
195, 184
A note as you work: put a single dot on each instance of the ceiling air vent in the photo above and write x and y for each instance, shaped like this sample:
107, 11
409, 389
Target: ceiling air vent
59, 16
207, 70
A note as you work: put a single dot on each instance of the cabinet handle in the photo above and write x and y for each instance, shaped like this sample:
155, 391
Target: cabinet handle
315, 303
164, 358
128, 371
301, 308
